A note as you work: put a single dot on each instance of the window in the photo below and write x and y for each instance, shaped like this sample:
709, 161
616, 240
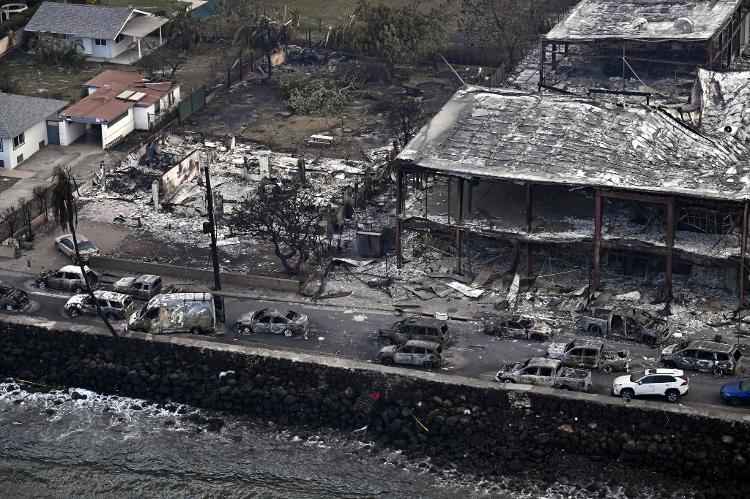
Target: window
171, 98
100, 42
2, 163
1, 145
103, 303
157, 106
119, 38
545, 371
648, 380
112, 122
530, 371
702, 355
278, 320
724, 357
18, 141
19, 159
265, 319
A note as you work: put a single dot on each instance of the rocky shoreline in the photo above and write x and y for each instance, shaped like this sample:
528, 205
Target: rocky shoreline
478, 427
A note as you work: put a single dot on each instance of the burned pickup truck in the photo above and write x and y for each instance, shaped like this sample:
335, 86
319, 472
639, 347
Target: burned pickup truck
13, 299
590, 354
627, 323
545, 372
515, 326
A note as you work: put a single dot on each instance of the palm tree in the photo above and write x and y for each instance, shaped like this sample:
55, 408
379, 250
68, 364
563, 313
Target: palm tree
66, 214
266, 34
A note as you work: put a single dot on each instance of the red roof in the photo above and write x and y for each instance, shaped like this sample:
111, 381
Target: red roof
104, 104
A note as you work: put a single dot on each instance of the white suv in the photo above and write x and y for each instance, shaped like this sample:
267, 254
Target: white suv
669, 383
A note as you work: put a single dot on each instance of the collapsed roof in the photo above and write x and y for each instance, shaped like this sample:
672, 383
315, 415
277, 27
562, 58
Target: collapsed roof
724, 100
553, 139
645, 20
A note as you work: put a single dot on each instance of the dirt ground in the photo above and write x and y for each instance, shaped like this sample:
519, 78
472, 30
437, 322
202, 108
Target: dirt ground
253, 111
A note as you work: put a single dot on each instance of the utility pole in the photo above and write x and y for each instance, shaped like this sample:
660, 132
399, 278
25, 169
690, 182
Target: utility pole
211, 223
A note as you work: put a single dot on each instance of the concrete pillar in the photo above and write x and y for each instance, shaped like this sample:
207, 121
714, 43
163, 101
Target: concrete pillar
155, 194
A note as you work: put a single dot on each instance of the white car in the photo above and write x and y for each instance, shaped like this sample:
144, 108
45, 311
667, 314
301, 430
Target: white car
669, 383
86, 248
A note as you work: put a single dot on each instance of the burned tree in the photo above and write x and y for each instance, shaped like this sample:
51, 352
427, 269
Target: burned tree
10, 219
285, 216
65, 211
40, 194
24, 208
406, 115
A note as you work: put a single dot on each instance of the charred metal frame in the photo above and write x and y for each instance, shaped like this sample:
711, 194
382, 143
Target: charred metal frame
460, 232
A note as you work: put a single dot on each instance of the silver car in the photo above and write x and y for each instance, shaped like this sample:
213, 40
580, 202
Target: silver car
86, 248
273, 321
412, 353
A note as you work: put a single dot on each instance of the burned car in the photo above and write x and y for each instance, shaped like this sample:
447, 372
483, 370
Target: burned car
590, 354
143, 287
415, 328
516, 326
627, 323
114, 306
427, 354
545, 372
68, 278
702, 356
273, 321
13, 298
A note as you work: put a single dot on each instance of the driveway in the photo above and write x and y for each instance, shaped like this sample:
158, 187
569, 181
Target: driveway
82, 158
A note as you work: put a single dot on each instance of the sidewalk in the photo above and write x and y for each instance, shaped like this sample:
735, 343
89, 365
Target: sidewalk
82, 158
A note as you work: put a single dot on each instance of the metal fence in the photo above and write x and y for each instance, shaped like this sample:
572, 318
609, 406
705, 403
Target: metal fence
191, 103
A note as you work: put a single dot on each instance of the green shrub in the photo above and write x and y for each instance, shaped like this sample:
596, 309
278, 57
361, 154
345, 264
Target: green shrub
317, 93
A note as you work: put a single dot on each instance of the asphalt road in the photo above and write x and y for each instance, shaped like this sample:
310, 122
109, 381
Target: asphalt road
352, 334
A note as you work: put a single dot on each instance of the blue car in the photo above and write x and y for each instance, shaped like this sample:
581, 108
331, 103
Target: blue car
736, 392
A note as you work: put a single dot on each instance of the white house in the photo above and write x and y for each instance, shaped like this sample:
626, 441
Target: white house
118, 103
112, 34
23, 126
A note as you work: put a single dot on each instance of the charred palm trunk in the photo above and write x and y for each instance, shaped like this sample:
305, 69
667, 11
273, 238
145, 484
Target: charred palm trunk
89, 291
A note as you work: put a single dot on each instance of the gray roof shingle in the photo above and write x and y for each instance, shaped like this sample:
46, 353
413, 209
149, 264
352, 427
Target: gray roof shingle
18, 113
88, 21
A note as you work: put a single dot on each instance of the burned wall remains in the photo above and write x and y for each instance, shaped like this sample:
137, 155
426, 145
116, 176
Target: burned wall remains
479, 426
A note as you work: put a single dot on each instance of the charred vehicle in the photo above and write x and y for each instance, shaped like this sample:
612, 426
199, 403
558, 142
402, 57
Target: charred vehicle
143, 287
415, 328
13, 298
68, 278
516, 326
590, 354
195, 313
114, 306
427, 354
702, 356
545, 372
627, 323
273, 321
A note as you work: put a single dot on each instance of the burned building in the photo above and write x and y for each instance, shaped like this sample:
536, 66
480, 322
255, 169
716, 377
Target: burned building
641, 39
544, 170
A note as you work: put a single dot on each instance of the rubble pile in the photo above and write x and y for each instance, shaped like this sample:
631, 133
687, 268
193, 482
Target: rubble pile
236, 173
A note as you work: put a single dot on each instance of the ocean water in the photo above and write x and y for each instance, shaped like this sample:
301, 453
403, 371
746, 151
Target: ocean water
58, 444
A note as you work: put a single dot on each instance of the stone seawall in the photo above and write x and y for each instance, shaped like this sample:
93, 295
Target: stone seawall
479, 426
